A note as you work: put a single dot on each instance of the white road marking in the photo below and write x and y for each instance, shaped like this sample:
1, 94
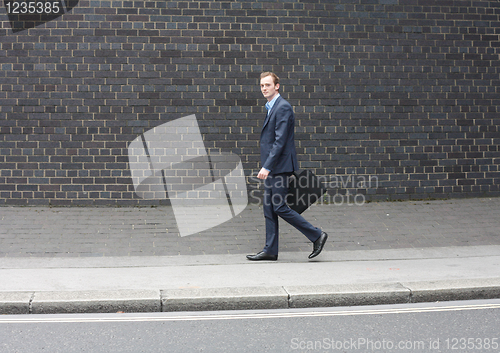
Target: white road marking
119, 318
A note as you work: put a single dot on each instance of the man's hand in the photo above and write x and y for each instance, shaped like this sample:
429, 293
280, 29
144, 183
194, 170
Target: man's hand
263, 174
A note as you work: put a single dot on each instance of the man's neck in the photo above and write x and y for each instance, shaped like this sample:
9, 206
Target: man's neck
271, 98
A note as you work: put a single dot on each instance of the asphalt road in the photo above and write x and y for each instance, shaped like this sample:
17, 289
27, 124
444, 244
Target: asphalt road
467, 326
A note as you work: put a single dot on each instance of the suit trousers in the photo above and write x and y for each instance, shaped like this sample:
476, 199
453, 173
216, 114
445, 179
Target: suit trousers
275, 191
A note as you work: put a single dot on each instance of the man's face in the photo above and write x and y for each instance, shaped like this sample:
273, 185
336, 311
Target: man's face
268, 88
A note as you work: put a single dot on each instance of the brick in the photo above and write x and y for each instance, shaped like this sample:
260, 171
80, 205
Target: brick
376, 86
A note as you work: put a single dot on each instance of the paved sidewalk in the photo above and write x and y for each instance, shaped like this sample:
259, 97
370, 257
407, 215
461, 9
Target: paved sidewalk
57, 260
104, 231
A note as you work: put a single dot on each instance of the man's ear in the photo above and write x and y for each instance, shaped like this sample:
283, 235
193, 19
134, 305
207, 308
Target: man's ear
277, 87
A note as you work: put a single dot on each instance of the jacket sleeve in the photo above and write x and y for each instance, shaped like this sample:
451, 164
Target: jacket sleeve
281, 131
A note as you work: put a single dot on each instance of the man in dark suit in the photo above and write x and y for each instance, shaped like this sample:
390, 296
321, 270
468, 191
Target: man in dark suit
279, 160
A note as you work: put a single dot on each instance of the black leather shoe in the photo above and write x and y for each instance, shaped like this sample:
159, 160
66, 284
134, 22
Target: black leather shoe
262, 256
318, 245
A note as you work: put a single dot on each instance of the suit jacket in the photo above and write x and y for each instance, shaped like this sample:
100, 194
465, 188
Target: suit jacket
277, 139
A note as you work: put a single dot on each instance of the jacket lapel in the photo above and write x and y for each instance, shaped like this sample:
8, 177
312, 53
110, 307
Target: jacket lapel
273, 109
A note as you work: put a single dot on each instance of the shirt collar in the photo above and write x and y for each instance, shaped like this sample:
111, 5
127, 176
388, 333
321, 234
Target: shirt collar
269, 105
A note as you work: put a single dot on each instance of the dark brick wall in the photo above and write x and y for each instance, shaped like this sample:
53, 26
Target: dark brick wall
404, 90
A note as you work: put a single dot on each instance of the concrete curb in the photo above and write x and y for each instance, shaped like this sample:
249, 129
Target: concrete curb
347, 295
246, 298
95, 302
463, 289
241, 298
15, 302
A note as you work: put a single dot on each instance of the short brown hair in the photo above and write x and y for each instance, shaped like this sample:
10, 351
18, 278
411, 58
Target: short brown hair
276, 79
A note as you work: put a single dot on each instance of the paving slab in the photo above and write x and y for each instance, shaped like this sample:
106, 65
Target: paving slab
111, 231
372, 266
